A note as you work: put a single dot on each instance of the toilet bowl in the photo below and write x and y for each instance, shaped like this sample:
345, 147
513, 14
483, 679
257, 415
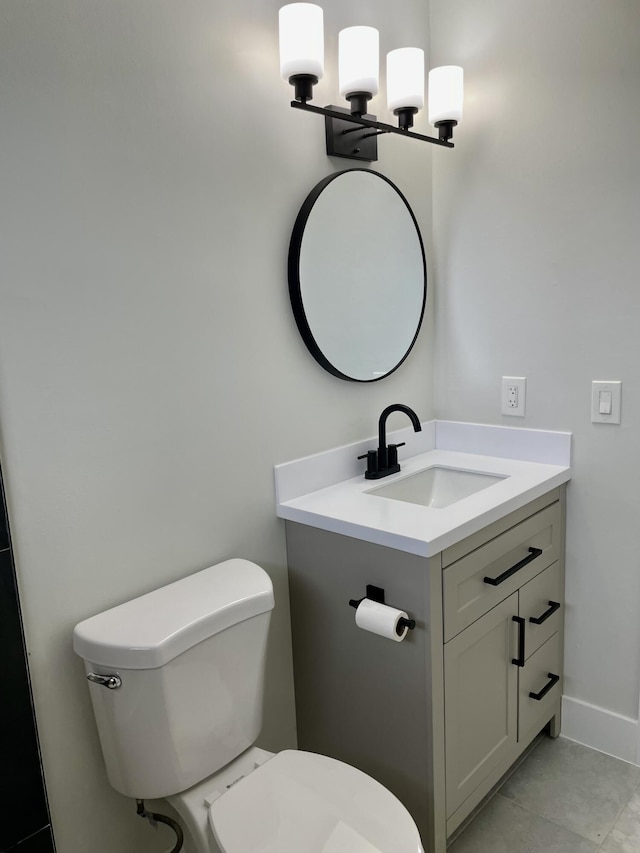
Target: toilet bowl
295, 802
176, 682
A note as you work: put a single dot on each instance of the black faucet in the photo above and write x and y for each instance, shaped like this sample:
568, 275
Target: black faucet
384, 460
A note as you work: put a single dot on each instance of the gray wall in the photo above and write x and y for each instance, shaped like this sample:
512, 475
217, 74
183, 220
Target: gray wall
151, 372
537, 255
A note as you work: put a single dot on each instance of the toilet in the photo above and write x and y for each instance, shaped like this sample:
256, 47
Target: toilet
176, 680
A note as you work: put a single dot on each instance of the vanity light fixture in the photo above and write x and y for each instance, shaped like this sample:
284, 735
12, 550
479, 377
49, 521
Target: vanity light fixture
353, 132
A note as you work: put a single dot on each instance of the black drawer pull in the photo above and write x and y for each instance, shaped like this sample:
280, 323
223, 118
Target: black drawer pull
553, 679
519, 661
538, 620
533, 553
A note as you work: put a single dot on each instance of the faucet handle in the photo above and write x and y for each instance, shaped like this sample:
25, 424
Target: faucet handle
392, 453
372, 461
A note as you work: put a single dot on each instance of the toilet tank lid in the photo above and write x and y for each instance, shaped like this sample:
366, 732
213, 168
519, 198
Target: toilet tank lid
151, 630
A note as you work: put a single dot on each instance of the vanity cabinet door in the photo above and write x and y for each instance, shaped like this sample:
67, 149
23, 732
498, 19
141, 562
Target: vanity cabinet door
480, 701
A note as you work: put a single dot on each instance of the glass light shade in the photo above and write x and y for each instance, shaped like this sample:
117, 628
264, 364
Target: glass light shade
445, 94
358, 60
301, 40
405, 78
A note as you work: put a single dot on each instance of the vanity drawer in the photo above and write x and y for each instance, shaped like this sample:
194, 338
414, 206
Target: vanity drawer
541, 606
541, 675
506, 562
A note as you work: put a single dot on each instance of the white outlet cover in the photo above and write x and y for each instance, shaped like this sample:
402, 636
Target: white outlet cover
520, 385
613, 387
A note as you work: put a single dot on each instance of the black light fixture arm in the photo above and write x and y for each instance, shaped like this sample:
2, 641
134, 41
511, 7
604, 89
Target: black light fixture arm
361, 121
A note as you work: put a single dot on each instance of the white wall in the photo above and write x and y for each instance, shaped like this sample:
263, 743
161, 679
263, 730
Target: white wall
151, 373
537, 257
150, 369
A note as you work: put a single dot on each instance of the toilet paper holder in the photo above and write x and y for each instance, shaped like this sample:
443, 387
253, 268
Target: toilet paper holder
376, 593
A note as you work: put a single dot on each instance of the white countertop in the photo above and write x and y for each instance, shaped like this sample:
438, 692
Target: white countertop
322, 492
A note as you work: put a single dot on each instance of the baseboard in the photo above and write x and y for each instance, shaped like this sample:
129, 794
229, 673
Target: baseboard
601, 729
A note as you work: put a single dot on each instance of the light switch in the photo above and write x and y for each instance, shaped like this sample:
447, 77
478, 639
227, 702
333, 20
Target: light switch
605, 401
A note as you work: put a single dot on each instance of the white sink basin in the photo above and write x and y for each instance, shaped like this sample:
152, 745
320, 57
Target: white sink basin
436, 487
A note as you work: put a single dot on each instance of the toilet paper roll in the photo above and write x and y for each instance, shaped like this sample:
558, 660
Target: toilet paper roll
381, 619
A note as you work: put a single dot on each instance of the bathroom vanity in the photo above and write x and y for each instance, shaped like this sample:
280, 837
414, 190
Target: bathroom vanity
441, 716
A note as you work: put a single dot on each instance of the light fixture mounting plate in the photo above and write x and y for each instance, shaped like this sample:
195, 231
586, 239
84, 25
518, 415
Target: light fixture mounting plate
349, 139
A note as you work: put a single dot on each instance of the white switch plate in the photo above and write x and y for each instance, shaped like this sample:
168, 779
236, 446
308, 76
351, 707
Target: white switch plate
514, 395
601, 386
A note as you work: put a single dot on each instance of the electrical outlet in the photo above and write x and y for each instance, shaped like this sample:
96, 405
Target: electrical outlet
514, 392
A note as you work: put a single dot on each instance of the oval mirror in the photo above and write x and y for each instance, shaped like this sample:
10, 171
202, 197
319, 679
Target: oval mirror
357, 275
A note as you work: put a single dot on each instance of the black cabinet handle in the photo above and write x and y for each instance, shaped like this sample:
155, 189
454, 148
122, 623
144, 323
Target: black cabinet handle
519, 661
553, 679
538, 620
533, 553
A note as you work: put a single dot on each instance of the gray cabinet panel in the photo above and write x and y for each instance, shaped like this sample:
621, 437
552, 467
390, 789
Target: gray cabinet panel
480, 701
360, 697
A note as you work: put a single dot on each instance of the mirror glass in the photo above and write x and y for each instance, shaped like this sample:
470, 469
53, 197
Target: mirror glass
357, 275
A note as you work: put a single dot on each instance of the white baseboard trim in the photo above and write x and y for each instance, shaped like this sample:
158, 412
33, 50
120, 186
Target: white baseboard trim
600, 729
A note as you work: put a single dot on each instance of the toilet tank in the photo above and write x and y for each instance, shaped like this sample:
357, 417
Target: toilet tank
190, 658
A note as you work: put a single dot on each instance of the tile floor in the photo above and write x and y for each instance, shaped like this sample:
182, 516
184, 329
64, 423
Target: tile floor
564, 798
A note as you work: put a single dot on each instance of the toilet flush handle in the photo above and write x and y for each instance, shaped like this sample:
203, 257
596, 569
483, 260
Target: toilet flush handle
112, 682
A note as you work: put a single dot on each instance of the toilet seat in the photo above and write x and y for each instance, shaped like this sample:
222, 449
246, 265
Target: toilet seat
301, 802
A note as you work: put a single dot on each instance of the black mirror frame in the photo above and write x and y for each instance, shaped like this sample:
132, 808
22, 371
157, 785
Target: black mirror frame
293, 272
